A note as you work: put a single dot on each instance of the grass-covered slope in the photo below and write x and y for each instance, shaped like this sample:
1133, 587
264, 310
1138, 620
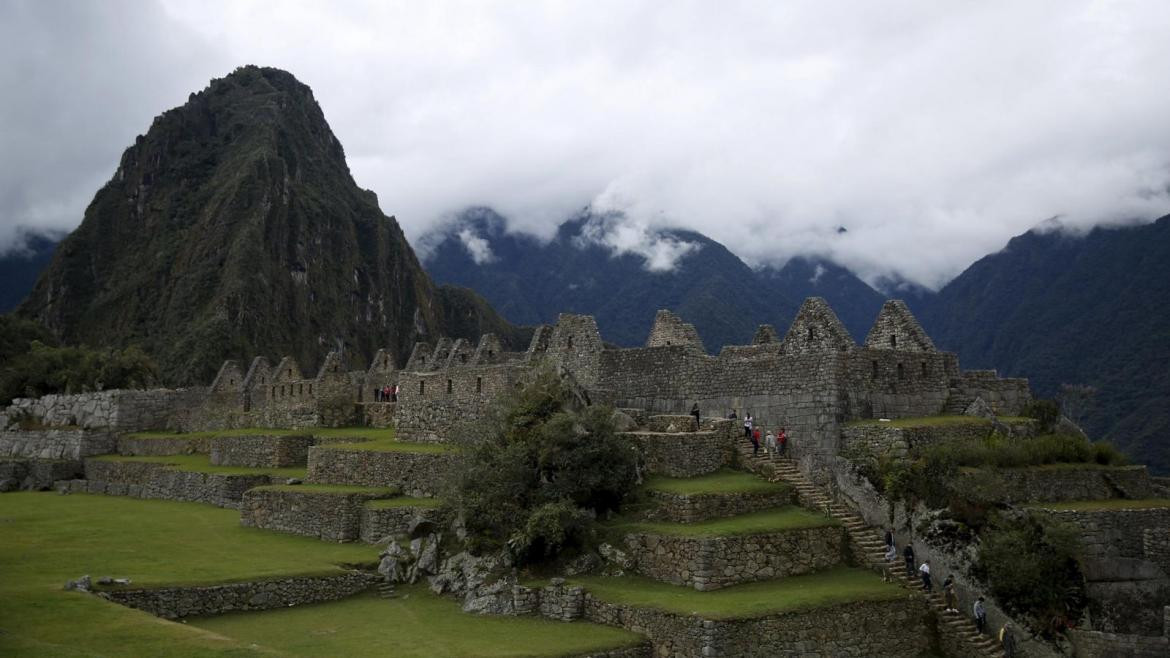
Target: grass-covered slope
47, 539
416, 624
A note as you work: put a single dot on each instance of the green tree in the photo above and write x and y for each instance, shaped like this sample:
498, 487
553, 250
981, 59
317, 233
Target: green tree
537, 482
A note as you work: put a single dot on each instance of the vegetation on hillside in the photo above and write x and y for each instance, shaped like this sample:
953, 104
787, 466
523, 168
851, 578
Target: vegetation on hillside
1031, 565
32, 366
537, 482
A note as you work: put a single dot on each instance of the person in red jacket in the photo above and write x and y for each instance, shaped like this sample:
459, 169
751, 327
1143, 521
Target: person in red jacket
755, 442
782, 442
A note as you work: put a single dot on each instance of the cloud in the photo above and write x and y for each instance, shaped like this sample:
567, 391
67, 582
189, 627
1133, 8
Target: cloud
932, 131
622, 234
477, 247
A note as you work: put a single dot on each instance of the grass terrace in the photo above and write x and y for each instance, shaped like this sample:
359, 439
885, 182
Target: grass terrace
925, 421
798, 593
725, 481
201, 463
416, 624
1102, 505
755, 523
48, 539
338, 489
404, 501
392, 445
354, 433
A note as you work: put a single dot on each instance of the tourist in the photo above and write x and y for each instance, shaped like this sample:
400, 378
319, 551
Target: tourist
889, 536
695, 413
377, 395
1007, 639
908, 556
980, 615
755, 437
924, 571
732, 416
386, 393
394, 393
782, 442
949, 593
891, 553
770, 444
747, 425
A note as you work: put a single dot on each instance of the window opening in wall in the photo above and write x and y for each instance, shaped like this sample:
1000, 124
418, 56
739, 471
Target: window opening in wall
668, 342
422, 360
462, 358
901, 372
386, 362
422, 388
450, 387
924, 370
570, 342
875, 369
290, 372
300, 389
263, 380
479, 384
310, 389
232, 382
893, 341
491, 354
811, 333
273, 391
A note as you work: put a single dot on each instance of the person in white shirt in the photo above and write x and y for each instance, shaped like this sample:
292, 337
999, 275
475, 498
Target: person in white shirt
924, 571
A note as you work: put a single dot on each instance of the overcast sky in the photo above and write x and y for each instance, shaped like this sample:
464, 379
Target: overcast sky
932, 131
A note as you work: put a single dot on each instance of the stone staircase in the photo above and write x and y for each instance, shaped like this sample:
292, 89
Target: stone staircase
869, 547
386, 589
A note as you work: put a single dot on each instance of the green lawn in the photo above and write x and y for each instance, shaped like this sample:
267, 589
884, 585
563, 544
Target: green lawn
201, 463
390, 445
1101, 505
367, 433
723, 481
772, 520
329, 489
821, 589
925, 421
404, 501
417, 624
46, 539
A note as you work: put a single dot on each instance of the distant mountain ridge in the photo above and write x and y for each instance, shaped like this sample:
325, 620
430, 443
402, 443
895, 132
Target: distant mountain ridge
233, 228
1063, 309
530, 281
20, 268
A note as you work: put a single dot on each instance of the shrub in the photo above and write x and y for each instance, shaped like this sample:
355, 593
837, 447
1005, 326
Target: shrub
1031, 567
1046, 413
44, 369
536, 483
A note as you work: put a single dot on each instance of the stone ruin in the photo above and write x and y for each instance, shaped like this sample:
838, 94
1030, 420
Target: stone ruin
812, 381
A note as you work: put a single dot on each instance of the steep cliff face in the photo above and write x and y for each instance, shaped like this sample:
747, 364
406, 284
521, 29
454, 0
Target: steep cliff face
234, 228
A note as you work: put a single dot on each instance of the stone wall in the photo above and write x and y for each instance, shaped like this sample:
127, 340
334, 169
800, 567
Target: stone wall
878, 439
1094, 644
36, 474
1007, 397
1115, 533
708, 563
115, 410
669, 329
195, 601
378, 414
416, 473
162, 446
683, 454
878, 628
1054, 484
1156, 548
269, 451
332, 516
380, 523
55, 444
433, 406
691, 508
155, 480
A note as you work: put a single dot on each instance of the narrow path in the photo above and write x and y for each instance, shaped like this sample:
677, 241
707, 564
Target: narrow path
868, 545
